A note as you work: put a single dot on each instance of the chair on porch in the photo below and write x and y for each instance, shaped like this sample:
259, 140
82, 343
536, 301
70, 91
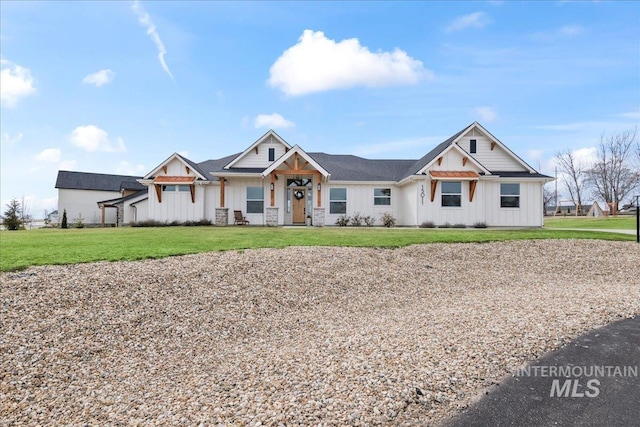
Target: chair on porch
239, 219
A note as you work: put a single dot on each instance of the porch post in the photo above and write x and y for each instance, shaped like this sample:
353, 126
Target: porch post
102, 219
272, 188
222, 180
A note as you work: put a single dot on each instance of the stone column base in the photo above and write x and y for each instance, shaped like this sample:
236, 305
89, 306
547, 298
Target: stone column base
318, 217
222, 216
272, 217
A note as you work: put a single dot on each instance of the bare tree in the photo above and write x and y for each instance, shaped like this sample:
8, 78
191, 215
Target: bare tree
549, 196
574, 176
613, 176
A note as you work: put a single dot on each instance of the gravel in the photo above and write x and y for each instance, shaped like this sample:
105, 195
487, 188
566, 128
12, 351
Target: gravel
303, 335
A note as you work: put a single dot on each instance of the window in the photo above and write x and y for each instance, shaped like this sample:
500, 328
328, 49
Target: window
473, 146
509, 195
382, 196
168, 188
451, 193
183, 188
272, 154
338, 201
255, 200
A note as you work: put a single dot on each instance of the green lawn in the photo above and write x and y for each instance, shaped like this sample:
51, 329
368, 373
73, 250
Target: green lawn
601, 223
20, 249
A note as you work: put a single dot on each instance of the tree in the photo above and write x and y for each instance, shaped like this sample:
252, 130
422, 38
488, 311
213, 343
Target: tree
64, 224
574, 176
13, 215
613, 176
549, 196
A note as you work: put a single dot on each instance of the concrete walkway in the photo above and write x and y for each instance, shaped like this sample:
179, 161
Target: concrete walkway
602, 387
609, 230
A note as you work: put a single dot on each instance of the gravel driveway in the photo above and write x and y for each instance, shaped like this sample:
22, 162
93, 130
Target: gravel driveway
310, 335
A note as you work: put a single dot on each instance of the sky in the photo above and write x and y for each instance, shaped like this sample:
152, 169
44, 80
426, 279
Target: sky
117, 87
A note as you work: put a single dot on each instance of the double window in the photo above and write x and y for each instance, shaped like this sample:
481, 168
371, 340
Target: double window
338, 201
381, 196
175, 188
451, 193
255, 200
509, 195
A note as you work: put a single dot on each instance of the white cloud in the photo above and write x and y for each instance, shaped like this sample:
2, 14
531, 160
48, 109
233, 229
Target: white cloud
485, 114
272, 121
145, 20
317, 64
15, 83
49, 155
535, 154
634, 115
99, 78
10, 140
126, 168
92, 138
472, 20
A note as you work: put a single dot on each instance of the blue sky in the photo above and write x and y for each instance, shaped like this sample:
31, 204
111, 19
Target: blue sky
117, 87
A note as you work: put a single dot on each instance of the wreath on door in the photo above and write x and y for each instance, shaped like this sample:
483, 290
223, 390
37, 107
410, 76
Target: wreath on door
298, 194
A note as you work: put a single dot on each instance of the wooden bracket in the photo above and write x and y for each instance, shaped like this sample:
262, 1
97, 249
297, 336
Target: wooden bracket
434, 185
187, 169
439, 160
493, 145
464, 161
159, 192
472, 189
164, 169
192, 190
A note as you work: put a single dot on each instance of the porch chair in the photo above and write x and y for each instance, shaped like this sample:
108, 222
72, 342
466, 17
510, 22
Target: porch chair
239, 219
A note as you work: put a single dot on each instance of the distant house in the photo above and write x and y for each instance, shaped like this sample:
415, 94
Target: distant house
471, 177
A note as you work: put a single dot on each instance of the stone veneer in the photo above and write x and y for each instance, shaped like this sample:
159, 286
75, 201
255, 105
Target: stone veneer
222, 216
272, 216
318, 217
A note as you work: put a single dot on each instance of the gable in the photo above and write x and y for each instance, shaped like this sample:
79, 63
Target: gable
176, 166
454, 160
258, 153
490, 152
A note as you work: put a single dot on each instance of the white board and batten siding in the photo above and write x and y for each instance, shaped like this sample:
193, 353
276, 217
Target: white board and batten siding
497, 159
176, 205
261, 158
468, 213
360, 198
236, 198
529, 214
85, 203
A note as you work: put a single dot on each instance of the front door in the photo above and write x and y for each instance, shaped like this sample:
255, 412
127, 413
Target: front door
298, 197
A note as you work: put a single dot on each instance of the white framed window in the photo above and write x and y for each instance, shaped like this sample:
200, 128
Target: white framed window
272, 154
255, 200
473, 146
183, 188
451, 194
509, 195
337, 200
382, 196
168, 188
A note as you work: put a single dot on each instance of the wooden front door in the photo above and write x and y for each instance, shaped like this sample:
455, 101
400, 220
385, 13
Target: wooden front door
298, 204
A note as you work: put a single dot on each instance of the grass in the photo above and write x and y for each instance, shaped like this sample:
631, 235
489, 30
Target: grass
601, 223
21, 249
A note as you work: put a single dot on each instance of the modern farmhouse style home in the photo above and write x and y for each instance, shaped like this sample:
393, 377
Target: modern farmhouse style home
471, 177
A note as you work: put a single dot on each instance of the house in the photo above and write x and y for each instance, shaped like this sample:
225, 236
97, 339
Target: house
471, 177
88, 195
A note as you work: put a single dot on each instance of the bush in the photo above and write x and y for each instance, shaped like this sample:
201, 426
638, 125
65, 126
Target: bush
78, 222
480, 224
64, 224
343, 220
368, 220
154, 223
445, 225
428, 224
459, 225
356, 220
388, 220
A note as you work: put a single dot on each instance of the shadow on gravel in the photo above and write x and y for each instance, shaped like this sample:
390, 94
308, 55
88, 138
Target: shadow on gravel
592, 381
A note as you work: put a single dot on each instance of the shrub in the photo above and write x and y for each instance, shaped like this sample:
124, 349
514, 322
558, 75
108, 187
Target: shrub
428, 224
445, 225
368, 220
78, 222
204, 221
356, 220
147, 223
388, 220
480, 224
343, 220
459, 225
64, 223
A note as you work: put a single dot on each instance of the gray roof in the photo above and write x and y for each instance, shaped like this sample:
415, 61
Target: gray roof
119, 200
97, 181
216, 165
510, 174
346, 167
